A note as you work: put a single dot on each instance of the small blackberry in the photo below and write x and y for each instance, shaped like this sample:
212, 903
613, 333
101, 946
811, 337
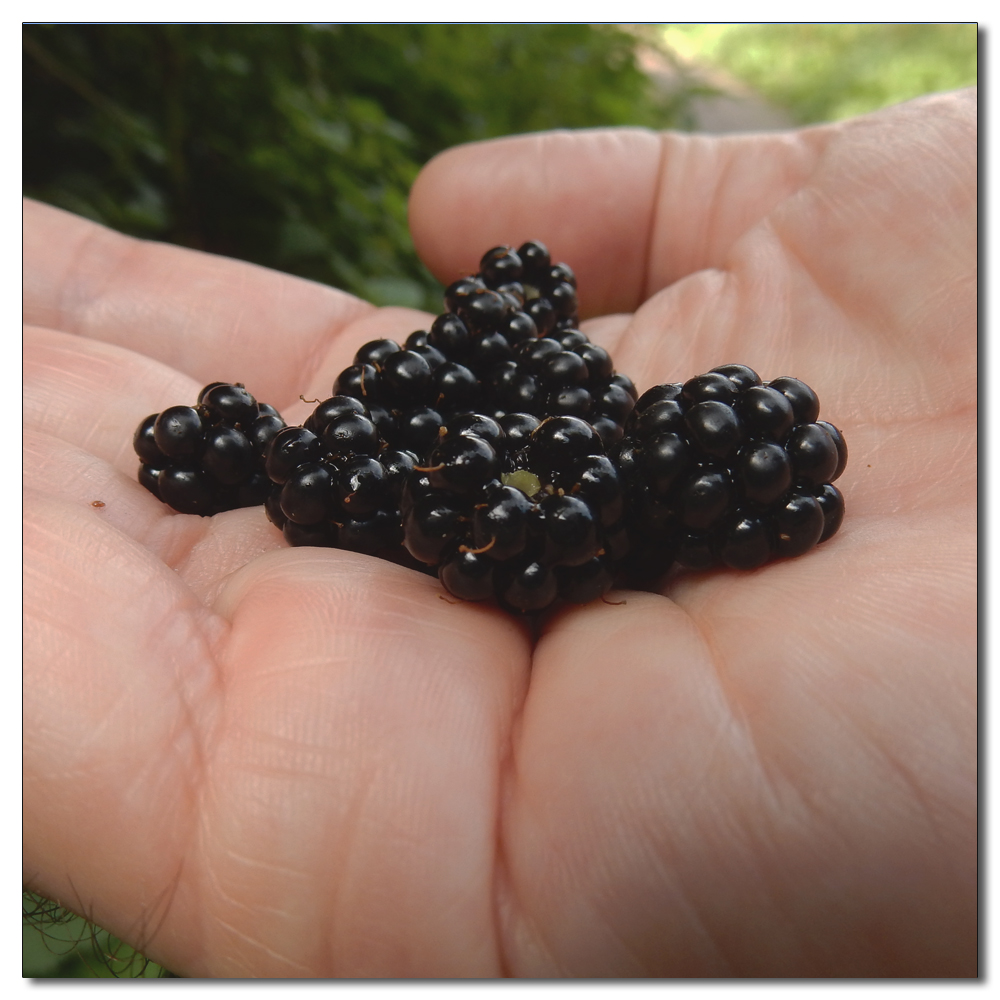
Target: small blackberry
209, 457
725, 468
335, 481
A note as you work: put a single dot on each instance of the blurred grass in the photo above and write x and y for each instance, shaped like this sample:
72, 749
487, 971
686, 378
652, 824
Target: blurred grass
826, 72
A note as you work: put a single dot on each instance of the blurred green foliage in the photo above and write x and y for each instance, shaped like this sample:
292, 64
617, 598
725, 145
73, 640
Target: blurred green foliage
826, 72
294, 146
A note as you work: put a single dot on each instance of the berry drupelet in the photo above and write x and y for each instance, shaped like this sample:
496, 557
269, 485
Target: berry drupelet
727, 469
209, 457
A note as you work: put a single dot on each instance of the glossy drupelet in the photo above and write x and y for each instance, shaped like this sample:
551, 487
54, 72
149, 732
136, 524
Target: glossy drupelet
207, 458
727, 469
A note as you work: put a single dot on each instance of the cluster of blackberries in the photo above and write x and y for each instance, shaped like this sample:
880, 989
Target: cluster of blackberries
727, 469
209, 457
501, 451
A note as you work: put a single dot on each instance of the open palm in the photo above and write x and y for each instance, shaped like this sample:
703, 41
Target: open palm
253, 760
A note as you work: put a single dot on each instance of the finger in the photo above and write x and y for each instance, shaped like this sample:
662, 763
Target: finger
629, 210
318, 784
94, 395
203, 551
678, 768
120, 689
213, 319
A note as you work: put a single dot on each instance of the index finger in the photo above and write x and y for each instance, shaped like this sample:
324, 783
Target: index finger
212, 318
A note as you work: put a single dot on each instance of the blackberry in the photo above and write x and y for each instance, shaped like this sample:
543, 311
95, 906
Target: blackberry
336, 481
209, 457
727, 469
519, 509
492, 350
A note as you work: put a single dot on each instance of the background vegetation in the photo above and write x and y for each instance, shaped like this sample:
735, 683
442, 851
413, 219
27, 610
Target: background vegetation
294, 146
825, 72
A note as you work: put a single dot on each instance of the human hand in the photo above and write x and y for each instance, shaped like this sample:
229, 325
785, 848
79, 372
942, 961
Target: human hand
251, 760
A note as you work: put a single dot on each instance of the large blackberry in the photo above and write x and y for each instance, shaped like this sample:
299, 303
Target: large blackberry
728, 469
522, 510
508, 344
209, 457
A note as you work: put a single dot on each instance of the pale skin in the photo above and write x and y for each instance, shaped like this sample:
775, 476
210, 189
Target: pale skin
254, 760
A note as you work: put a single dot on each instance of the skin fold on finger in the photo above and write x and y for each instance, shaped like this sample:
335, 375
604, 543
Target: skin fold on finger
212, 318
350, 809
121, 697
337, 726
678, 767
94, 395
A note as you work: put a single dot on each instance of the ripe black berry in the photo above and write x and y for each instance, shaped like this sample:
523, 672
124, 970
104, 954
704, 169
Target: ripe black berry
468, 575
290, 448
450, 336
406, 377
528, 586
375, 352
714, 427
360, 381
804, 401
350, 434
432, 524
535, 260
461, 463
764, 470
799, 524
229, 404
558, 442
208, 458
145, 444
726, 469
363, 486
459, 292
746, 542
813, 453
187, 490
